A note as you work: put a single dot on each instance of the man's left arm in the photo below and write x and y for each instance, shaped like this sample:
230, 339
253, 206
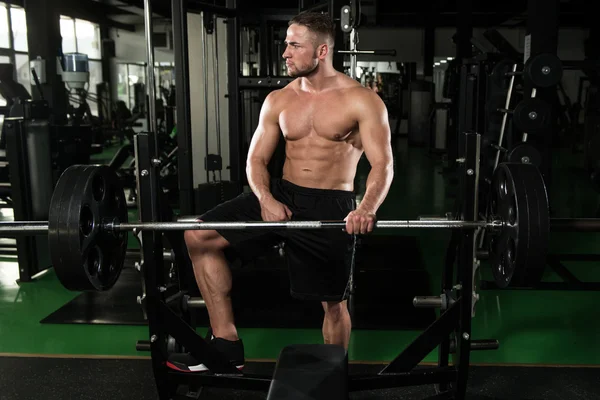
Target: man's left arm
375, 135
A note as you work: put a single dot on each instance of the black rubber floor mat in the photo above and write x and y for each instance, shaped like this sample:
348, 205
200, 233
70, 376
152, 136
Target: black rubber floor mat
132, 379
117, 306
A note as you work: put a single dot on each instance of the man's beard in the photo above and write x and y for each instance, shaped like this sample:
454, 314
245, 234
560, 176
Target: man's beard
299, 73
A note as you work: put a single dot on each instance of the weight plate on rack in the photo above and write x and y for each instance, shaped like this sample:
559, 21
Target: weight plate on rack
526, 154
532, 115
543, 70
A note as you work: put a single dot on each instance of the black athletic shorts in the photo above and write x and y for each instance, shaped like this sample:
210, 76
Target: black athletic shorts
319, 261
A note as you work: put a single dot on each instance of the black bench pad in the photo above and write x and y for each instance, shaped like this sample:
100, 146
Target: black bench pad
310, 372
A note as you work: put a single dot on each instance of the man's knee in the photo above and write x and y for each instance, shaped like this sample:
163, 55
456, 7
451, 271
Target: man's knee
335, 310
203, 241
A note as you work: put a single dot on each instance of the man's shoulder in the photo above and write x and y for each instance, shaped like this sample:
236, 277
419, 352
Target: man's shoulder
359, 98
349, 85
344, 82
277, 99
276, 95
357, 92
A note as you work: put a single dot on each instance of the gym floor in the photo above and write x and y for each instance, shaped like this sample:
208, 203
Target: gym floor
534, 328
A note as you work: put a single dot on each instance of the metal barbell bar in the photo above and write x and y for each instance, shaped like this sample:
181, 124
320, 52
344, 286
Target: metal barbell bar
188, 226
41, 227
24, 227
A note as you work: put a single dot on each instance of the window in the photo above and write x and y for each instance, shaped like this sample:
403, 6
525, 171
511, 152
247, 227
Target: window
95, 79
83, 37
22, 68
137, 80
131, 77
3, 60
19, 28
164, 74
67, 31
80, 36
88, 38
123, 84
4, 39
13, 43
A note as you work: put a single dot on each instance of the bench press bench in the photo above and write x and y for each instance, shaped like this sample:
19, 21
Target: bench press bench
310, 372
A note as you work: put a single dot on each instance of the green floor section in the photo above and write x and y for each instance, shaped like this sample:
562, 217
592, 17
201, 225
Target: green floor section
551, 327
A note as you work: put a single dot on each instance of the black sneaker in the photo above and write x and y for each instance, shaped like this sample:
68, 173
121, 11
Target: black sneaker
185, 362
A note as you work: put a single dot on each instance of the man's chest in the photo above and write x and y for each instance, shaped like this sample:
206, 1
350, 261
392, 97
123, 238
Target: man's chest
328, 117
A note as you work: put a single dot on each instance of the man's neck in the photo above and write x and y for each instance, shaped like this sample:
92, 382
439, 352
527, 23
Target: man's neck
320, 79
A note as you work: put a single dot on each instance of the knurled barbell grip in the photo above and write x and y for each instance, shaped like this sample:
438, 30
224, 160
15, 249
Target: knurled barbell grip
185, 226
25, 227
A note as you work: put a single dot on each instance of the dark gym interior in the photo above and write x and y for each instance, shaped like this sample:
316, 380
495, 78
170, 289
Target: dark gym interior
483, 286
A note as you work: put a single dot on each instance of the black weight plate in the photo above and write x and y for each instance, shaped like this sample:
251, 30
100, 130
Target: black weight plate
70, 237
543, 70
93, 257
114, 208
58, 224
539, 226
532, 115
526, 154
103, 251
78, 210
508, 201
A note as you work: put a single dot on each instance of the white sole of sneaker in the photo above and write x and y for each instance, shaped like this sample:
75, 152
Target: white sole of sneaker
202, 368
197, 368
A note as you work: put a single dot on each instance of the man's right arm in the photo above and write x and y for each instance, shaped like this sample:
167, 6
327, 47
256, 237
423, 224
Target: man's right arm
262, 147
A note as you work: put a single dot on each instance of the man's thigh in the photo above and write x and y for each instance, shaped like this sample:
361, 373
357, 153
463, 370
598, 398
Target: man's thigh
320, 263
244, 243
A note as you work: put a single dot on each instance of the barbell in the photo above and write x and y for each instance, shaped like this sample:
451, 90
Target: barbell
88, 225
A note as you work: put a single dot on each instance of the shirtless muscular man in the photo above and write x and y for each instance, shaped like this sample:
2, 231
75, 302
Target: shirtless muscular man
328, 120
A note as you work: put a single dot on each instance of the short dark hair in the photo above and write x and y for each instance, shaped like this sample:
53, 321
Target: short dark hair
319, 23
